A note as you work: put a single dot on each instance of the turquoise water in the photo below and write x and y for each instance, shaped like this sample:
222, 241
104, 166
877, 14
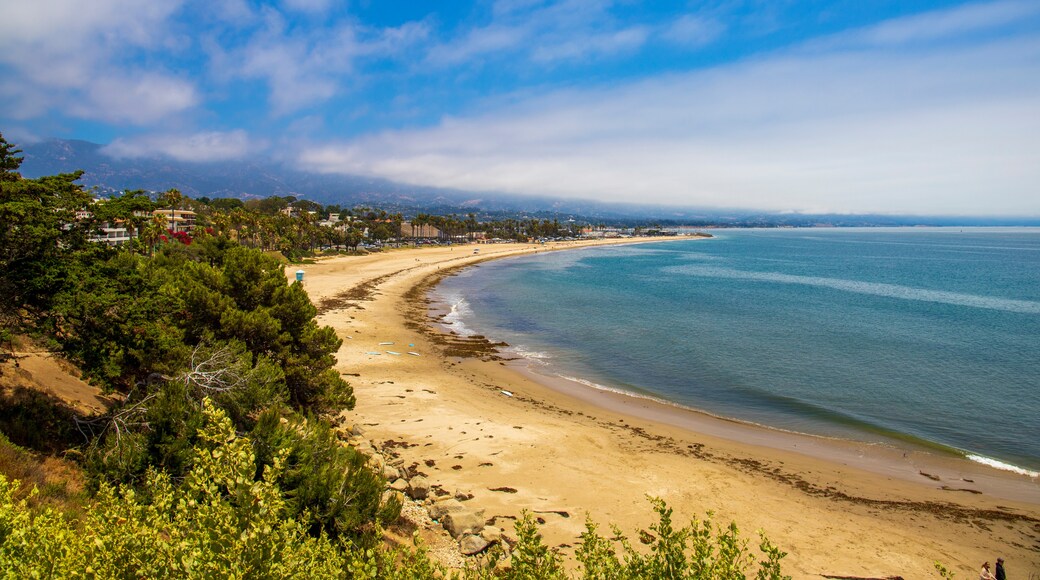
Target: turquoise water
916, 336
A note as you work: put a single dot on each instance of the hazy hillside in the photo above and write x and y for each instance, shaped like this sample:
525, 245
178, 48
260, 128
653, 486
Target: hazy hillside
262, 178
259, 178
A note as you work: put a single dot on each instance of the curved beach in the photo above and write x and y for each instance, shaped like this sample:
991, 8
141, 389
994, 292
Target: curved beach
474, 423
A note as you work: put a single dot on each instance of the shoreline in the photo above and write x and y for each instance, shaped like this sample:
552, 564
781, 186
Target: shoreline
909, 464
881, 456
564, 453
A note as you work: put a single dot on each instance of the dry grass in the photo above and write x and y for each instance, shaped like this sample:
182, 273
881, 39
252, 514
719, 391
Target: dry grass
59, 482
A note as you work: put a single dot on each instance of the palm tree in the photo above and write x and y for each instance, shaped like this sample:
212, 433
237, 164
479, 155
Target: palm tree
151, 231
172, 198
422, 220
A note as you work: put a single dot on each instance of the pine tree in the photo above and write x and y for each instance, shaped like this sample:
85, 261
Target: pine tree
9, 161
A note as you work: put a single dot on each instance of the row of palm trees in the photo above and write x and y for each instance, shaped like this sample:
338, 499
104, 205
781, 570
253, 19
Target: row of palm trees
450, 227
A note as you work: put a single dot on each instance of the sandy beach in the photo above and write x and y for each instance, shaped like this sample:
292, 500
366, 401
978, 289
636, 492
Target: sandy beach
516, 440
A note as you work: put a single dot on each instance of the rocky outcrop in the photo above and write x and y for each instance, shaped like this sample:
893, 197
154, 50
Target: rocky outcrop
442, 507
418, 487
463, 522
470, 545
491, 535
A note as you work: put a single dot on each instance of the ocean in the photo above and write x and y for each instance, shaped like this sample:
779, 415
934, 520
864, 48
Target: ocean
924, 338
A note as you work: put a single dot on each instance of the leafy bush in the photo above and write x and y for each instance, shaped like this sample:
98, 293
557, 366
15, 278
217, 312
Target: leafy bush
157, 431
220, 523
327, 485
700, 550
531, 559
125, 317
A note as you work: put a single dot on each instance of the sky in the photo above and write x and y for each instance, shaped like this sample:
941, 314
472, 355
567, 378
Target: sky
812, 106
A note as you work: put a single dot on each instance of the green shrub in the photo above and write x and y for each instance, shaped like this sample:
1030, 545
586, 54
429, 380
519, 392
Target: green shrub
220, 523
700, 550
327, 485
531, 559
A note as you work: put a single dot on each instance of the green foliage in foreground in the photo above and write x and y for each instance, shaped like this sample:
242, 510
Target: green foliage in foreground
698, 551
221, 522
324, 484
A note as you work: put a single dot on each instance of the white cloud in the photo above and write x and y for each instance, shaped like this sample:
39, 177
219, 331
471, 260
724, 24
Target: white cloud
503, 8
64, 55
853, 129
620, 41
21, 136
543, 32
309, 66
692, 30
950, 23
478, 42
140, 100
395, 41
313, 6
198, 147
292, 69
68, 26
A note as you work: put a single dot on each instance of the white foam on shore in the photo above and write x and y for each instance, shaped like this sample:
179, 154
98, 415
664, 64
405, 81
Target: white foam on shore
687, 408
1001, 465
636, 395
598, 386
536, 356
458, 309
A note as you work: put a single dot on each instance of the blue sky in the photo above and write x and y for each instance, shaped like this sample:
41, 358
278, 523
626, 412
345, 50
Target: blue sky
812, 106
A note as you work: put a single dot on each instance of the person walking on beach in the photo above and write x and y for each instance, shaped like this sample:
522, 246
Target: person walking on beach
1000, 569
986, 574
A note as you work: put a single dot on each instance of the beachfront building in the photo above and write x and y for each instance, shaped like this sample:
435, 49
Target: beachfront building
113, 235
292, 211
177, 220
336, 223
600, 232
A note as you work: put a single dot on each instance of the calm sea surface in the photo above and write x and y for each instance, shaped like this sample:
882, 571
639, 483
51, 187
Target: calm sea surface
920, 337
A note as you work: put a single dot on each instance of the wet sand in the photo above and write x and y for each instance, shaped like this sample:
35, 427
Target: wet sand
561, 449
